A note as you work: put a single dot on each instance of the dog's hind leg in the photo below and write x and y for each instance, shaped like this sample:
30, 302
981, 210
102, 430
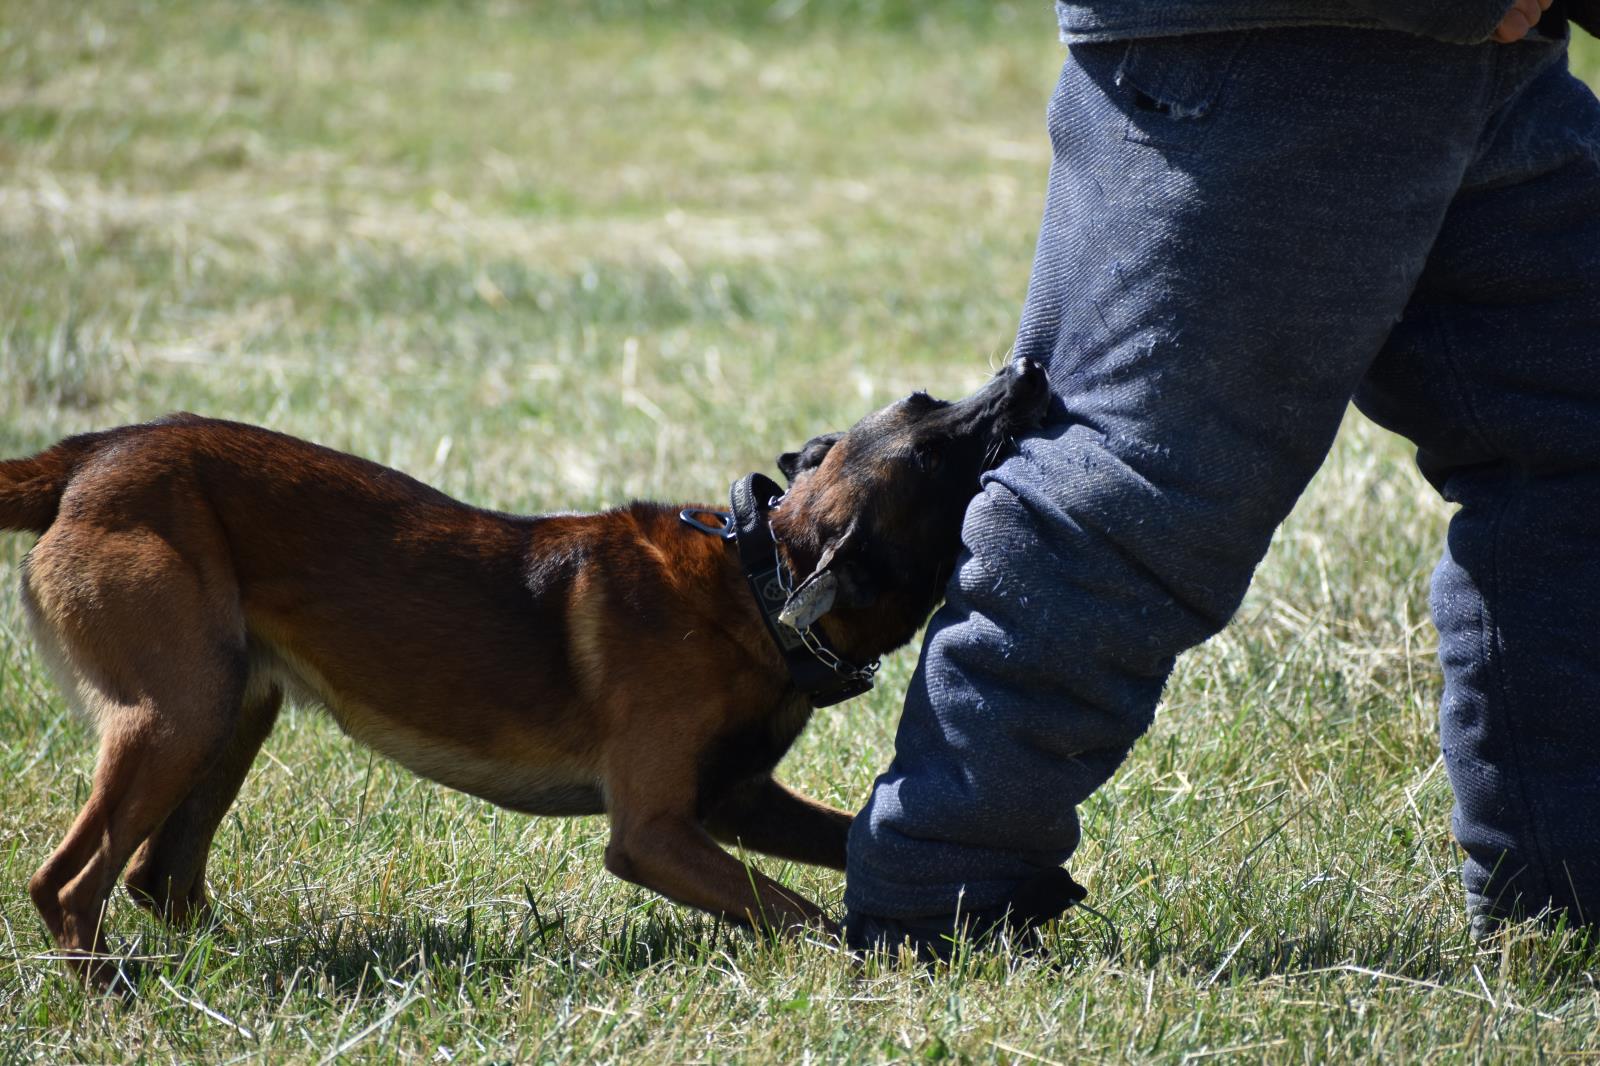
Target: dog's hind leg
167, 873
155, 638
147, 764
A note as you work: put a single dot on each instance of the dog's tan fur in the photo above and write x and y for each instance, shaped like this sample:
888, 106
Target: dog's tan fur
190, 573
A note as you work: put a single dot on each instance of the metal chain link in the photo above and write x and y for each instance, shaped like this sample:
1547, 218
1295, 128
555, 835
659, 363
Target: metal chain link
833, 662
813, 643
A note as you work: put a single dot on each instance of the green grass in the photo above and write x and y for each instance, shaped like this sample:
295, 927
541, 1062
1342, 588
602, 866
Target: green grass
561, 254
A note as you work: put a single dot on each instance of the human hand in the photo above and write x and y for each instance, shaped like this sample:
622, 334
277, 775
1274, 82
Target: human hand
1522, 17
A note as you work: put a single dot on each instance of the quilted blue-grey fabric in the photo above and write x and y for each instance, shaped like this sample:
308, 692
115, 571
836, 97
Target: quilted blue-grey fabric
1243, 231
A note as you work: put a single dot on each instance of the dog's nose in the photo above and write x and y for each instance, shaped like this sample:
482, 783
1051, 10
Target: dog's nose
1029, 387
1029, 375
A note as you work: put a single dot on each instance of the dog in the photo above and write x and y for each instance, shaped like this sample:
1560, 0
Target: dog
649, 663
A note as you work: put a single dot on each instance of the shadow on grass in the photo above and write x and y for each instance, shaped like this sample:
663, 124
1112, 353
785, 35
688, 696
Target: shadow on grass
1431, 948
369, 957
360, 955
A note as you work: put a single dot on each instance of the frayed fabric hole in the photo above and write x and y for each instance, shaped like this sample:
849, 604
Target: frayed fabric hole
1178, 79
1146, 102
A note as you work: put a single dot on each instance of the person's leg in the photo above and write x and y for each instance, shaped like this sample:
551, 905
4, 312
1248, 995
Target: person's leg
1233, 224
1507, 319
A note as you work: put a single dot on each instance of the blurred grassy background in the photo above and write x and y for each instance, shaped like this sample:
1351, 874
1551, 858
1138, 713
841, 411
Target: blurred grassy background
556, 255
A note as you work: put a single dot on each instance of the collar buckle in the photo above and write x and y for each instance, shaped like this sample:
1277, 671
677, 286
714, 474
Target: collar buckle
727, 530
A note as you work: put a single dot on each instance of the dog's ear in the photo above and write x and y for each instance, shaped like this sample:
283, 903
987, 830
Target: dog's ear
793, 464
840, 579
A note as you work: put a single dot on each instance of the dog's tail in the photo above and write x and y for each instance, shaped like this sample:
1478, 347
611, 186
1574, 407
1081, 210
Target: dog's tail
30, 489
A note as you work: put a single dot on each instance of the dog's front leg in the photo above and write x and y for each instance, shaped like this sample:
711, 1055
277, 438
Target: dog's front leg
674, 856
768, 817
657, 842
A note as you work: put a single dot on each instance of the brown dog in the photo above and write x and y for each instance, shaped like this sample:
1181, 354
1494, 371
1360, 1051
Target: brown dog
190, 572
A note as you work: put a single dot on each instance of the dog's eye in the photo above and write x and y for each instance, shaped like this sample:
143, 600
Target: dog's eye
929, 460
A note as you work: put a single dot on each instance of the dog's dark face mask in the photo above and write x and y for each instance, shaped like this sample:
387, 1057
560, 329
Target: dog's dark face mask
879, 507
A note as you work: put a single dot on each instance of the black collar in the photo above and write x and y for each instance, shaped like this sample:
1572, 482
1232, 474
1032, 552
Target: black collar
814, 667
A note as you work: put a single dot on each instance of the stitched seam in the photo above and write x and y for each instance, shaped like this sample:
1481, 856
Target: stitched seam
1496, 663
1488, 631
1133, 30
1474, 422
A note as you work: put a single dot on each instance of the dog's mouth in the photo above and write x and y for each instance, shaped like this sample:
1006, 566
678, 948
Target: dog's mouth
1027, 395
1034, 387
1013, 403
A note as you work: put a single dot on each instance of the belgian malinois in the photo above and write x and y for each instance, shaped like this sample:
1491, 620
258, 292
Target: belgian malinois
190, 573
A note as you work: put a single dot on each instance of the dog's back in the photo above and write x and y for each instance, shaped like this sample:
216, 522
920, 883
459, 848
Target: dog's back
31, 488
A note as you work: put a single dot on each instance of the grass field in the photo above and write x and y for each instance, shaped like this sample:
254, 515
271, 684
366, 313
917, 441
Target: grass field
558, 255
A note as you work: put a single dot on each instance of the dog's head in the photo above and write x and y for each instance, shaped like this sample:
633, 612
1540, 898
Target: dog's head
872, 518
